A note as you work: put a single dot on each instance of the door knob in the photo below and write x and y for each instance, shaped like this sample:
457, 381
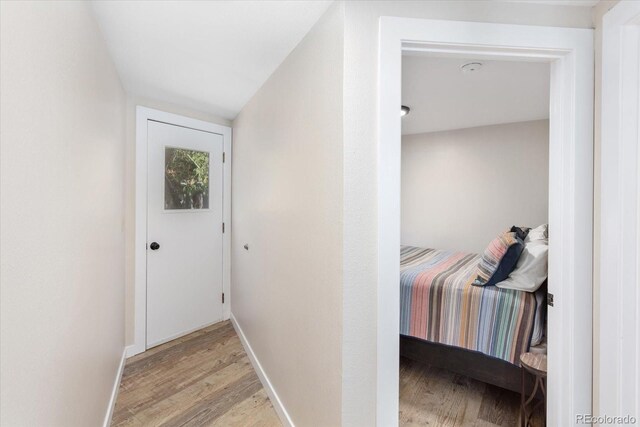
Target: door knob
154, 246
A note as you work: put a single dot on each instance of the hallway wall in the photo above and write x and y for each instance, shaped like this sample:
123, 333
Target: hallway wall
62, 125
286, 291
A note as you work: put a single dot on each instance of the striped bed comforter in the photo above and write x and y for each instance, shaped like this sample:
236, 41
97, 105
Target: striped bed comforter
438, 303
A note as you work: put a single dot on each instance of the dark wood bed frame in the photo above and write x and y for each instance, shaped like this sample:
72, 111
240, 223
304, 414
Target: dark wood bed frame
470, 363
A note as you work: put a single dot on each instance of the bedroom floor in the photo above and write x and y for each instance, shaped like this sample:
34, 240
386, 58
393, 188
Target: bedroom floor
203, 378
436, 397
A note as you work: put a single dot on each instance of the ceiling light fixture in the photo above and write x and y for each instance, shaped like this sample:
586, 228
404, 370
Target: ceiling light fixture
471, 67
404, 110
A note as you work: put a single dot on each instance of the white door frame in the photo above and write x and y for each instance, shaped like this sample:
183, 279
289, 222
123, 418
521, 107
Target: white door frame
619, 358
143, 115
570, 52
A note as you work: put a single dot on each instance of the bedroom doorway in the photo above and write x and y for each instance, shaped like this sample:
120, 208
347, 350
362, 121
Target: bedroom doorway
569, 55
475, 163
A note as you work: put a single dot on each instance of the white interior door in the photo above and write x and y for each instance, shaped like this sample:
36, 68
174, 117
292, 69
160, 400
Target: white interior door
184, 231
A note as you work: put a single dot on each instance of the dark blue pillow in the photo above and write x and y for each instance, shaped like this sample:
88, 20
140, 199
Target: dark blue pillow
521, 232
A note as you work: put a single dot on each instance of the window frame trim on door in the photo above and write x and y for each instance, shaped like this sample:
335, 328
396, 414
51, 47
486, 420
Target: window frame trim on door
143, 115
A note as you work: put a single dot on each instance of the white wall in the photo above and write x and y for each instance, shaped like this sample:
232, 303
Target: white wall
461, 188
286, 290
130, 192
62, 142
360, 168
598, 12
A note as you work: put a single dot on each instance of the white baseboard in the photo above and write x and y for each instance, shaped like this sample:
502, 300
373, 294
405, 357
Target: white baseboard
114, 391
134, 349
275, 400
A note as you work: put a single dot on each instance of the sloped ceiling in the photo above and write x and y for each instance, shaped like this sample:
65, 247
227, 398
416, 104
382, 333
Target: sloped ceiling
210, 56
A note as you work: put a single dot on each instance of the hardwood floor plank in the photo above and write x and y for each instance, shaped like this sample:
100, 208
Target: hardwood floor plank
149, 395
258, 406
194, 380
439, 400
472, 391
456, 401
174, 352
157, 386
483, 423
152, 351
125, 419
218, 403
411, 375
217, 383
190, 357
435, 397
499, 406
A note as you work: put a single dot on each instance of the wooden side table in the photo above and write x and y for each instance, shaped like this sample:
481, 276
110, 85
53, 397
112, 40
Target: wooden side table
536, 365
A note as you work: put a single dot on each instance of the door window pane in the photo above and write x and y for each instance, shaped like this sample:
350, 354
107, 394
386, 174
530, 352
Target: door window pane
186, 179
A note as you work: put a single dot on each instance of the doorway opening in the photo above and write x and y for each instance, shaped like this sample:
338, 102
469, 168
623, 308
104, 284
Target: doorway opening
183, 214
569, 55
475, 180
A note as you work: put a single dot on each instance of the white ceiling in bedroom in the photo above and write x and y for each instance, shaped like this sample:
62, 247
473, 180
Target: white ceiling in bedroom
443, 97
211, 56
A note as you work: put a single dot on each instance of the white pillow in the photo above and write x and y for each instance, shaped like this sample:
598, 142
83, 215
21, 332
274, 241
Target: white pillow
532, 267
539, 233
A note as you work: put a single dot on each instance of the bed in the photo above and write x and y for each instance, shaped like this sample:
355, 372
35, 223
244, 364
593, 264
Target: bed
478, 331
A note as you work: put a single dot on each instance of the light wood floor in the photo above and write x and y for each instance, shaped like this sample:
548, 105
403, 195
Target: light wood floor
202, 379
435, 397
206, 379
